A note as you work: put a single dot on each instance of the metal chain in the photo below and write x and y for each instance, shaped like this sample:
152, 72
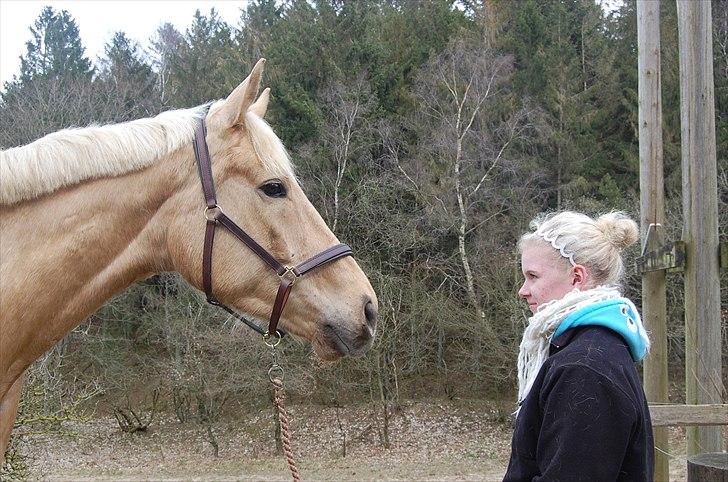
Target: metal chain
275, 373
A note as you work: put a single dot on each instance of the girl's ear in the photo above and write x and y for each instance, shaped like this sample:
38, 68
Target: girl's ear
579, 276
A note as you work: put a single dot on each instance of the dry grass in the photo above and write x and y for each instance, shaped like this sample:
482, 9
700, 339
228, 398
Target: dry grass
429, 440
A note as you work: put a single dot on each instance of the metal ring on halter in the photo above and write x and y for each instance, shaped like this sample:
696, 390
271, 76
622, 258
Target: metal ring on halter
275, 369
276, 338
290, 274
213, 212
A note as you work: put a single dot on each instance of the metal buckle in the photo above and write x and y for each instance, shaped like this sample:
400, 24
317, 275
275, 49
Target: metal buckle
213, 212
290, 275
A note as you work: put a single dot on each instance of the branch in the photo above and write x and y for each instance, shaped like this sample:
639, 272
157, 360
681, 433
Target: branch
407, 177
492, 165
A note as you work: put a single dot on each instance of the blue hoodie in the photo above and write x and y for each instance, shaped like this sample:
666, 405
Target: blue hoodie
619, 315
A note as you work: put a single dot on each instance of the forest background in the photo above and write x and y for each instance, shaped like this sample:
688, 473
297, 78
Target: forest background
427, 133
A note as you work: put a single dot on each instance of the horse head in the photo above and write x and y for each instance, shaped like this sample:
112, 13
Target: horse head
334, 306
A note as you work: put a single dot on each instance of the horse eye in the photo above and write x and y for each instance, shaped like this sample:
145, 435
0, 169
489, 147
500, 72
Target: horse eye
274, 189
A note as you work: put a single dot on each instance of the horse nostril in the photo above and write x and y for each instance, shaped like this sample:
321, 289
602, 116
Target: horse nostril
370, 313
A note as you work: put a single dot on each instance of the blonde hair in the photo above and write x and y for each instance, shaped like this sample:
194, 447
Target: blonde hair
596, 244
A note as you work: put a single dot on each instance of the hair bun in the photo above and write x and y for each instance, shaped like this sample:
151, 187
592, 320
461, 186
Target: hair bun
619, 229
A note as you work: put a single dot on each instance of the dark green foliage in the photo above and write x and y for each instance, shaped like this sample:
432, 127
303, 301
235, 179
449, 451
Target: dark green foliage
58, 88
565, 60
128, 78
203, 65
54, 62
124, 63
56, 48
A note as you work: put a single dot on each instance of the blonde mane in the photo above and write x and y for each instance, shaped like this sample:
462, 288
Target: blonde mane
70, 156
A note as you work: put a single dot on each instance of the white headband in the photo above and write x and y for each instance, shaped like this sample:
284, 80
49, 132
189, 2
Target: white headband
551, 239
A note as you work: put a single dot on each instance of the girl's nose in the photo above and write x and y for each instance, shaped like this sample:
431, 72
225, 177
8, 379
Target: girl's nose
523, 292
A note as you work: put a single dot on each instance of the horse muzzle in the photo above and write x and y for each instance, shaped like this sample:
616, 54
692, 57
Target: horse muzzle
337, 338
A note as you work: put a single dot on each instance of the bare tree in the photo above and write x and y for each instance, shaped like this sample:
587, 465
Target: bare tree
345, 107
459, 90
165, 42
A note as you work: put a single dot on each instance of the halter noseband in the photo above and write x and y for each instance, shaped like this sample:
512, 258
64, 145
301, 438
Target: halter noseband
214, 216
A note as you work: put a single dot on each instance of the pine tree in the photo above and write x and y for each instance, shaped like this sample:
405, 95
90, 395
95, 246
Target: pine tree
565, 62
258, 20
201, 68
128, 79
56, 48
54, 89
123, 61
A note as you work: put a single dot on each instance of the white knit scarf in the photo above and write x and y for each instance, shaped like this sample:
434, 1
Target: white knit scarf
541, 327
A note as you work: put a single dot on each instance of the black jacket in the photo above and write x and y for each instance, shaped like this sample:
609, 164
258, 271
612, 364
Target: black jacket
586, 416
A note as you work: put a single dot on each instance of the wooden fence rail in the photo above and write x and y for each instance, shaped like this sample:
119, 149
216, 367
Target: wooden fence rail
688, 415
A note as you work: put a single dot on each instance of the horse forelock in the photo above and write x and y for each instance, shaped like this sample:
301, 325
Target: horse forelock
269, 148
70, 156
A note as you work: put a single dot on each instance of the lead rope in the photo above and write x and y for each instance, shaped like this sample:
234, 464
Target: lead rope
275, 373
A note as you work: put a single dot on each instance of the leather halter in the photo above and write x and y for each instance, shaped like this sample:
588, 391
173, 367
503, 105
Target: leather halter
215, 216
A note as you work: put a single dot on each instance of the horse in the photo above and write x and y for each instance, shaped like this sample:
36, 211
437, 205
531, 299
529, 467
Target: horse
86, 212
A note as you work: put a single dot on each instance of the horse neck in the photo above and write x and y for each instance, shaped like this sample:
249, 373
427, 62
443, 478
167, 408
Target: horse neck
68, 252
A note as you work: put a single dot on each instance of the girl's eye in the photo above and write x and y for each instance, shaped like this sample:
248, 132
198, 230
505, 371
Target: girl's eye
273, 189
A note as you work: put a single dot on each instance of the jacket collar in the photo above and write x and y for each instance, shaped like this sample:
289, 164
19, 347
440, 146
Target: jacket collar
558, 343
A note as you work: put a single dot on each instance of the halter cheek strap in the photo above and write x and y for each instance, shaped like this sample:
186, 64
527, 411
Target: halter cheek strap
215, 216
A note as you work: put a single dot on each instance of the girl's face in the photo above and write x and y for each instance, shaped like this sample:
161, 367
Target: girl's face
547, 275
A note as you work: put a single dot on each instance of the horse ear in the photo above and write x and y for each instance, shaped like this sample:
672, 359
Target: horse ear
243, 96
260, 107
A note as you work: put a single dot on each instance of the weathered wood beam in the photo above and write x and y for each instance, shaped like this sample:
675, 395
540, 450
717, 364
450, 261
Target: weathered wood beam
688, 415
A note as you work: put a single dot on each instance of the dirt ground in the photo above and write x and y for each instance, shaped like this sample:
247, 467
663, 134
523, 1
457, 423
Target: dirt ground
428, 440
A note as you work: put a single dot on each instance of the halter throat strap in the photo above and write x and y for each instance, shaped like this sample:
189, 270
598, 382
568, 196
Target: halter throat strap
215, 216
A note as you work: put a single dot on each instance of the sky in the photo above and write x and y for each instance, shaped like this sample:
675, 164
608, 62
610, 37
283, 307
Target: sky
97, 21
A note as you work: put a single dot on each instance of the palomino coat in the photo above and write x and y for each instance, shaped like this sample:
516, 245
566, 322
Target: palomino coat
586, 416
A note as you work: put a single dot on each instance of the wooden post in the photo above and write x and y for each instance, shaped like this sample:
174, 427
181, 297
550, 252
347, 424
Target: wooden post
703, 383
652, 211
